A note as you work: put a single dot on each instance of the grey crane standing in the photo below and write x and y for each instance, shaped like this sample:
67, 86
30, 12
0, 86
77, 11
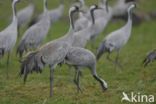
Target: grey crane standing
50, 54
9, 35
117, 39
80, 57
34, 36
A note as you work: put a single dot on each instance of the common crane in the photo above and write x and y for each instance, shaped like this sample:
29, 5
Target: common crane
9, 35
79, 58
34, 36
51, 54
117, 39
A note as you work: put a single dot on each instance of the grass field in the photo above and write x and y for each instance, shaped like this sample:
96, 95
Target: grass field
133, 78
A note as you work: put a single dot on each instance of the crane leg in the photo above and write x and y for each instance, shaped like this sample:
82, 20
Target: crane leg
78, 82
18, 30
8, 61
51, 80
146, 62
109, 59
77, 79
117, 63
97, 78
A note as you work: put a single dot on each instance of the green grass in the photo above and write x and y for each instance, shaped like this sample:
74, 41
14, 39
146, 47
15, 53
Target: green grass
133, 78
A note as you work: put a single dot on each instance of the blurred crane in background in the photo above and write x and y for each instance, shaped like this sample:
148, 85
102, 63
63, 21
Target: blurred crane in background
34, 36
9, 35
54, 14
25, 14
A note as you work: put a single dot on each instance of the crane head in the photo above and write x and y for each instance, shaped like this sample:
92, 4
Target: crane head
93, 7
74, 9
15, 1
132, 6
106, 3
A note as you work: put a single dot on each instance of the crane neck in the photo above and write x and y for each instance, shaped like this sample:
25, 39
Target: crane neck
129, 17
69, 36
14, 11
71, 20
128, 26
45, 5
92, 16
130, 14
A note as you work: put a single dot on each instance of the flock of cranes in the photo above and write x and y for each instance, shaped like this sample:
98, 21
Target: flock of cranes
71, 48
